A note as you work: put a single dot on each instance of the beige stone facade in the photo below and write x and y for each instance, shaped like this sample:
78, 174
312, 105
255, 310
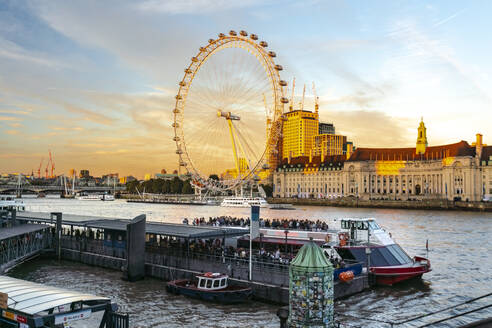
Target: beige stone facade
455, 171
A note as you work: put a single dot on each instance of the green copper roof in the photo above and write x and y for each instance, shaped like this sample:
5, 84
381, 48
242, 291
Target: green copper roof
311, 256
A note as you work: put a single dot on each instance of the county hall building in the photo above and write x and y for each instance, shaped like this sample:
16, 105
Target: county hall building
454, 171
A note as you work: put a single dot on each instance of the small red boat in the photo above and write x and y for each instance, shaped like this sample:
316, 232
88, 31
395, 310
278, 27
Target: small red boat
363, 239
212, 287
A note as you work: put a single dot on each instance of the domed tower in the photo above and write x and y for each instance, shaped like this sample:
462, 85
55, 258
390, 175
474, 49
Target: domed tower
421, 139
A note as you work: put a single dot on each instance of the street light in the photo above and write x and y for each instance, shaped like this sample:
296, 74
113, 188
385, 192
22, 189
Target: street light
368, 254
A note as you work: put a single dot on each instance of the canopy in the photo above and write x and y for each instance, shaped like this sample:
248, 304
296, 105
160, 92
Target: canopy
31, 298
311, 258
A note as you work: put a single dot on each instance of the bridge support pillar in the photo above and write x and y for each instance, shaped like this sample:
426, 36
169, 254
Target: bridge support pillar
58, 232
135, 249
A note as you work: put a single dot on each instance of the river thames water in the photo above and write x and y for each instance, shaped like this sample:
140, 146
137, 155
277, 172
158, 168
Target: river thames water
459, 250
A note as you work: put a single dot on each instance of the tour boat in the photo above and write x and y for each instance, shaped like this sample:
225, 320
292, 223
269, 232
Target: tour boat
244, 202
10, 203
107, 197
363, 239
89, 197
210, 287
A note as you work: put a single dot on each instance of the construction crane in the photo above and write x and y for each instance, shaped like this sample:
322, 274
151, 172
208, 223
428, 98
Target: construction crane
291, 108
316, 99
301, 104
52, 166
39, 168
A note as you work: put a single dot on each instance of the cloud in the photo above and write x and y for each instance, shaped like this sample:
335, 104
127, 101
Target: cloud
88, 115
373, 128
9, 118
195, 6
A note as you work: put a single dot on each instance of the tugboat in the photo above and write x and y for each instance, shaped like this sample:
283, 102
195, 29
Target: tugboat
210, 287
388, 262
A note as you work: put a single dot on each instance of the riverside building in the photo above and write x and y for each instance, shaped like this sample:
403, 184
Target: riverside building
454, 171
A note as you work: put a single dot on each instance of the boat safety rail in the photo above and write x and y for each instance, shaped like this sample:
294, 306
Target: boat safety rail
429, 314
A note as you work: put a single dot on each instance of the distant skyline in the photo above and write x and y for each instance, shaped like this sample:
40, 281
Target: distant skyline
94, 81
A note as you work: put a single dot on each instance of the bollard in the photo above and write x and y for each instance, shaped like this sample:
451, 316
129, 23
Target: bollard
283, 315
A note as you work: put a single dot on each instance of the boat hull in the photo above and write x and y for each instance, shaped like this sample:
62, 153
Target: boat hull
229, 295
388, 276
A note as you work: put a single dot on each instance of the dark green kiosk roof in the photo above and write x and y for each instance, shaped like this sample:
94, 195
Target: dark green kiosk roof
311, 258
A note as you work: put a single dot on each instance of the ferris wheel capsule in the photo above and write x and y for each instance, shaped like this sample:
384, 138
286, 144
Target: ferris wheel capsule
243, 33
254, 37
264, 44
232, 33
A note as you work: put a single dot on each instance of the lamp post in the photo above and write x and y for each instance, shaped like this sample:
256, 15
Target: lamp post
368, 254
286, 232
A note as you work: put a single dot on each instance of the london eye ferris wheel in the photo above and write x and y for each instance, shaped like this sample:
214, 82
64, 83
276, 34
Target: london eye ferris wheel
228, 112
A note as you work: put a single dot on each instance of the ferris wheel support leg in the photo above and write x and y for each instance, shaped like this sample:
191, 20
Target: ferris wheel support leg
231, 128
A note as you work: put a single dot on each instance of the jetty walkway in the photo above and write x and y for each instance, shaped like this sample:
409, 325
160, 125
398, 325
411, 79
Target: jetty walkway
172, 251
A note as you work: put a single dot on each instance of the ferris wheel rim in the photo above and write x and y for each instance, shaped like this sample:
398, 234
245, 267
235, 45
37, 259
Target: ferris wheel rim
266, 59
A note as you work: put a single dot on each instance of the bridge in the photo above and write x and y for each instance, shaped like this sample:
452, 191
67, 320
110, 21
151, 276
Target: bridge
53, 189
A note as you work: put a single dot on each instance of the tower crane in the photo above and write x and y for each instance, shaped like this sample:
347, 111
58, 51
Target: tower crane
52, 166
316, 100
39, 168
291, 108
301, 107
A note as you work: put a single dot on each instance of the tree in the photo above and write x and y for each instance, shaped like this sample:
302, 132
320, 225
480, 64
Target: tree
268, 190
187, 189
176, 185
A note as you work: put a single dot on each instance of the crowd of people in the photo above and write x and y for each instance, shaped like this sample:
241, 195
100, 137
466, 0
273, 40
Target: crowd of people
285, 224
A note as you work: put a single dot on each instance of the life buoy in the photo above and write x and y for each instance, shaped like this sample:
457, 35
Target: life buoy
346, 276
342, 239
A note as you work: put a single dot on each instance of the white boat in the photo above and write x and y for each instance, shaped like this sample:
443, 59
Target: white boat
107, 197
10, 203
90, 197
244, 202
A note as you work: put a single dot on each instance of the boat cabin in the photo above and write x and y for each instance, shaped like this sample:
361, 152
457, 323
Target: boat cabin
212, 281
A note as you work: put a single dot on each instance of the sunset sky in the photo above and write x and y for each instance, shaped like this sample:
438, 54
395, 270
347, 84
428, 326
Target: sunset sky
94, 81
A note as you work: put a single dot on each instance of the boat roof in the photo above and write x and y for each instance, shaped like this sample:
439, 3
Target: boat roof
14, 231
118, 224
358, 219
31, 298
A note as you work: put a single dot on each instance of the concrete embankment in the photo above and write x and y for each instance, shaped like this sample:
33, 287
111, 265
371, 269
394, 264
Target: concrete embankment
424, 204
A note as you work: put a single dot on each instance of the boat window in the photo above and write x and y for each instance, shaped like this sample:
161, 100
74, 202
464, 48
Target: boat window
373, 225
202, 283
216, 283
209, 283
399, 254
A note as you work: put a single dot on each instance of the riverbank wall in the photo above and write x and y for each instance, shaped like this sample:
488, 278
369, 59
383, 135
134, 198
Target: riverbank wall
424, 204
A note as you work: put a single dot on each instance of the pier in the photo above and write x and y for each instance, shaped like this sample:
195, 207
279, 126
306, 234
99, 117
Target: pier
103, 242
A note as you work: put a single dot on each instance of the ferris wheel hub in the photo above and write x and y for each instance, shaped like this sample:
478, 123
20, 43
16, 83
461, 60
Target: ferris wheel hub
228, 115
